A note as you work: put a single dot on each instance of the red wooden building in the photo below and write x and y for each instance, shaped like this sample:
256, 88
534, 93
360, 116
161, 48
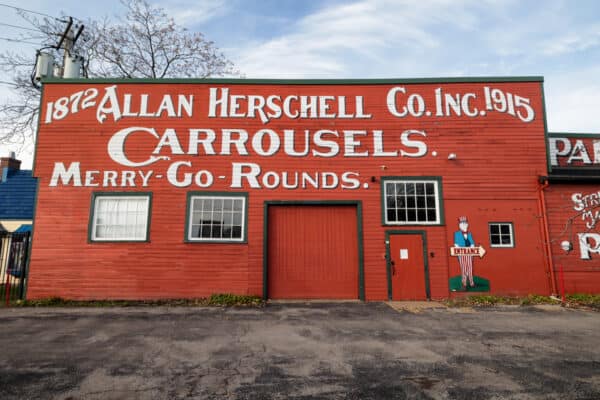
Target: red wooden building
572, 193
364, 189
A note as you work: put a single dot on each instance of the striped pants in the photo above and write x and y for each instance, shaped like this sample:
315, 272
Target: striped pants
466, 269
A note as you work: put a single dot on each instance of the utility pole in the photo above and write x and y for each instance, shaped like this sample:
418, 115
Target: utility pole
71, 63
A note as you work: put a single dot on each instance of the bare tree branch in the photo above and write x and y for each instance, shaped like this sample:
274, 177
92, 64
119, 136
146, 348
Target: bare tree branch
145, 43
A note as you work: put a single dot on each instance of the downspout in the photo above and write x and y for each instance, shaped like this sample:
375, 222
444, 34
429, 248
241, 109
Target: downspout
546, 233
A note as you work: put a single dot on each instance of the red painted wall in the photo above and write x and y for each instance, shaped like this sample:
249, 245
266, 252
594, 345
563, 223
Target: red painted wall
566, 223
493, 178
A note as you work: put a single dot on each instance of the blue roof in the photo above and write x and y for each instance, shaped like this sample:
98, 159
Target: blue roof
24, 228
17, 195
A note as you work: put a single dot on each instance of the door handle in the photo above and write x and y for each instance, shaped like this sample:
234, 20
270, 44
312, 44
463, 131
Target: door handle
393, 264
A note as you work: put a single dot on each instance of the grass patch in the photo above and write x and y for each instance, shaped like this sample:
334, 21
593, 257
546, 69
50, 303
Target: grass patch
215, 300
490, 301
586, 300
229, 300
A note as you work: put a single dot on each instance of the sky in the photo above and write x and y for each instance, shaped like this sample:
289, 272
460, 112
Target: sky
280, 39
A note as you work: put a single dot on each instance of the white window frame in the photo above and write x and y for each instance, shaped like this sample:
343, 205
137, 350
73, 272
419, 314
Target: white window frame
209, 196
511, 232
97, 197
438, 211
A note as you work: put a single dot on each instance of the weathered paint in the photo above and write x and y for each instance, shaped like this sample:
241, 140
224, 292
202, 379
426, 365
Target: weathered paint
573, 217
157, 137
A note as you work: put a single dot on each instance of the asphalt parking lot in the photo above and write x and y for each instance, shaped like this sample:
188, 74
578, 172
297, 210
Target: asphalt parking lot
299, 351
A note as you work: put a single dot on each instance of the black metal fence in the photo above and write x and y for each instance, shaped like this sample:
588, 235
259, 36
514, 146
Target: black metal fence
14, 248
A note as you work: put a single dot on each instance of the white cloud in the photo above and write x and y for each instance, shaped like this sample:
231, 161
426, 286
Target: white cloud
336, 39
573, 101
571, 42
189, 13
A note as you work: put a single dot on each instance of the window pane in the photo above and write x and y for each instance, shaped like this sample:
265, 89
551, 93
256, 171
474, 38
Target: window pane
122, 206
430, 202
431, 215
401, 215
391, 215
390, 189
120, 218
501, 235
401, 202
390, 201
140, 231
237, 218
196, 218
237, 232
101, 232
218, 217
414, 202
238, 205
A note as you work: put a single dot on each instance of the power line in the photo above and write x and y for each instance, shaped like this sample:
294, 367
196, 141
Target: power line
18, 41
29, 11
20, 27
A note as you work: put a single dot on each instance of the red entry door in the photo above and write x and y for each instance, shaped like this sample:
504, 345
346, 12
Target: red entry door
407, 267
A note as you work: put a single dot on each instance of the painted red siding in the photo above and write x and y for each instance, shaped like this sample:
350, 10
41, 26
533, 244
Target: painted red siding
566, 223
492, 178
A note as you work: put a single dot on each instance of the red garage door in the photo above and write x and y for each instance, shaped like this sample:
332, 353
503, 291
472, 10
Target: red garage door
312, 252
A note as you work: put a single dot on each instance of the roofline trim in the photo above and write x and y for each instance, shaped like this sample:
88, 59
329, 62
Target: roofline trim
241, 81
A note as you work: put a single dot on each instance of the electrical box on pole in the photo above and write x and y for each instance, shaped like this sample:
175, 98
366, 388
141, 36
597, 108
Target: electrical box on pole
44, 66
72, 67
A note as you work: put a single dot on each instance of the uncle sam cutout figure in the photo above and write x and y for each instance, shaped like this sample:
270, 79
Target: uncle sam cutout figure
464, 238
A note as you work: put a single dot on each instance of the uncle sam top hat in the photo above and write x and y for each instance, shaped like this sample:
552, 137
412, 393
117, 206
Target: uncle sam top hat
462, 219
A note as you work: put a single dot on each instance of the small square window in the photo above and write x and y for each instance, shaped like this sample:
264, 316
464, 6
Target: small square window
216, 218
501, 234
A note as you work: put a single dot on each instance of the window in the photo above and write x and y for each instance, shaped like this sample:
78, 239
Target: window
501, 234
216, 218
411, 202
120, 217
